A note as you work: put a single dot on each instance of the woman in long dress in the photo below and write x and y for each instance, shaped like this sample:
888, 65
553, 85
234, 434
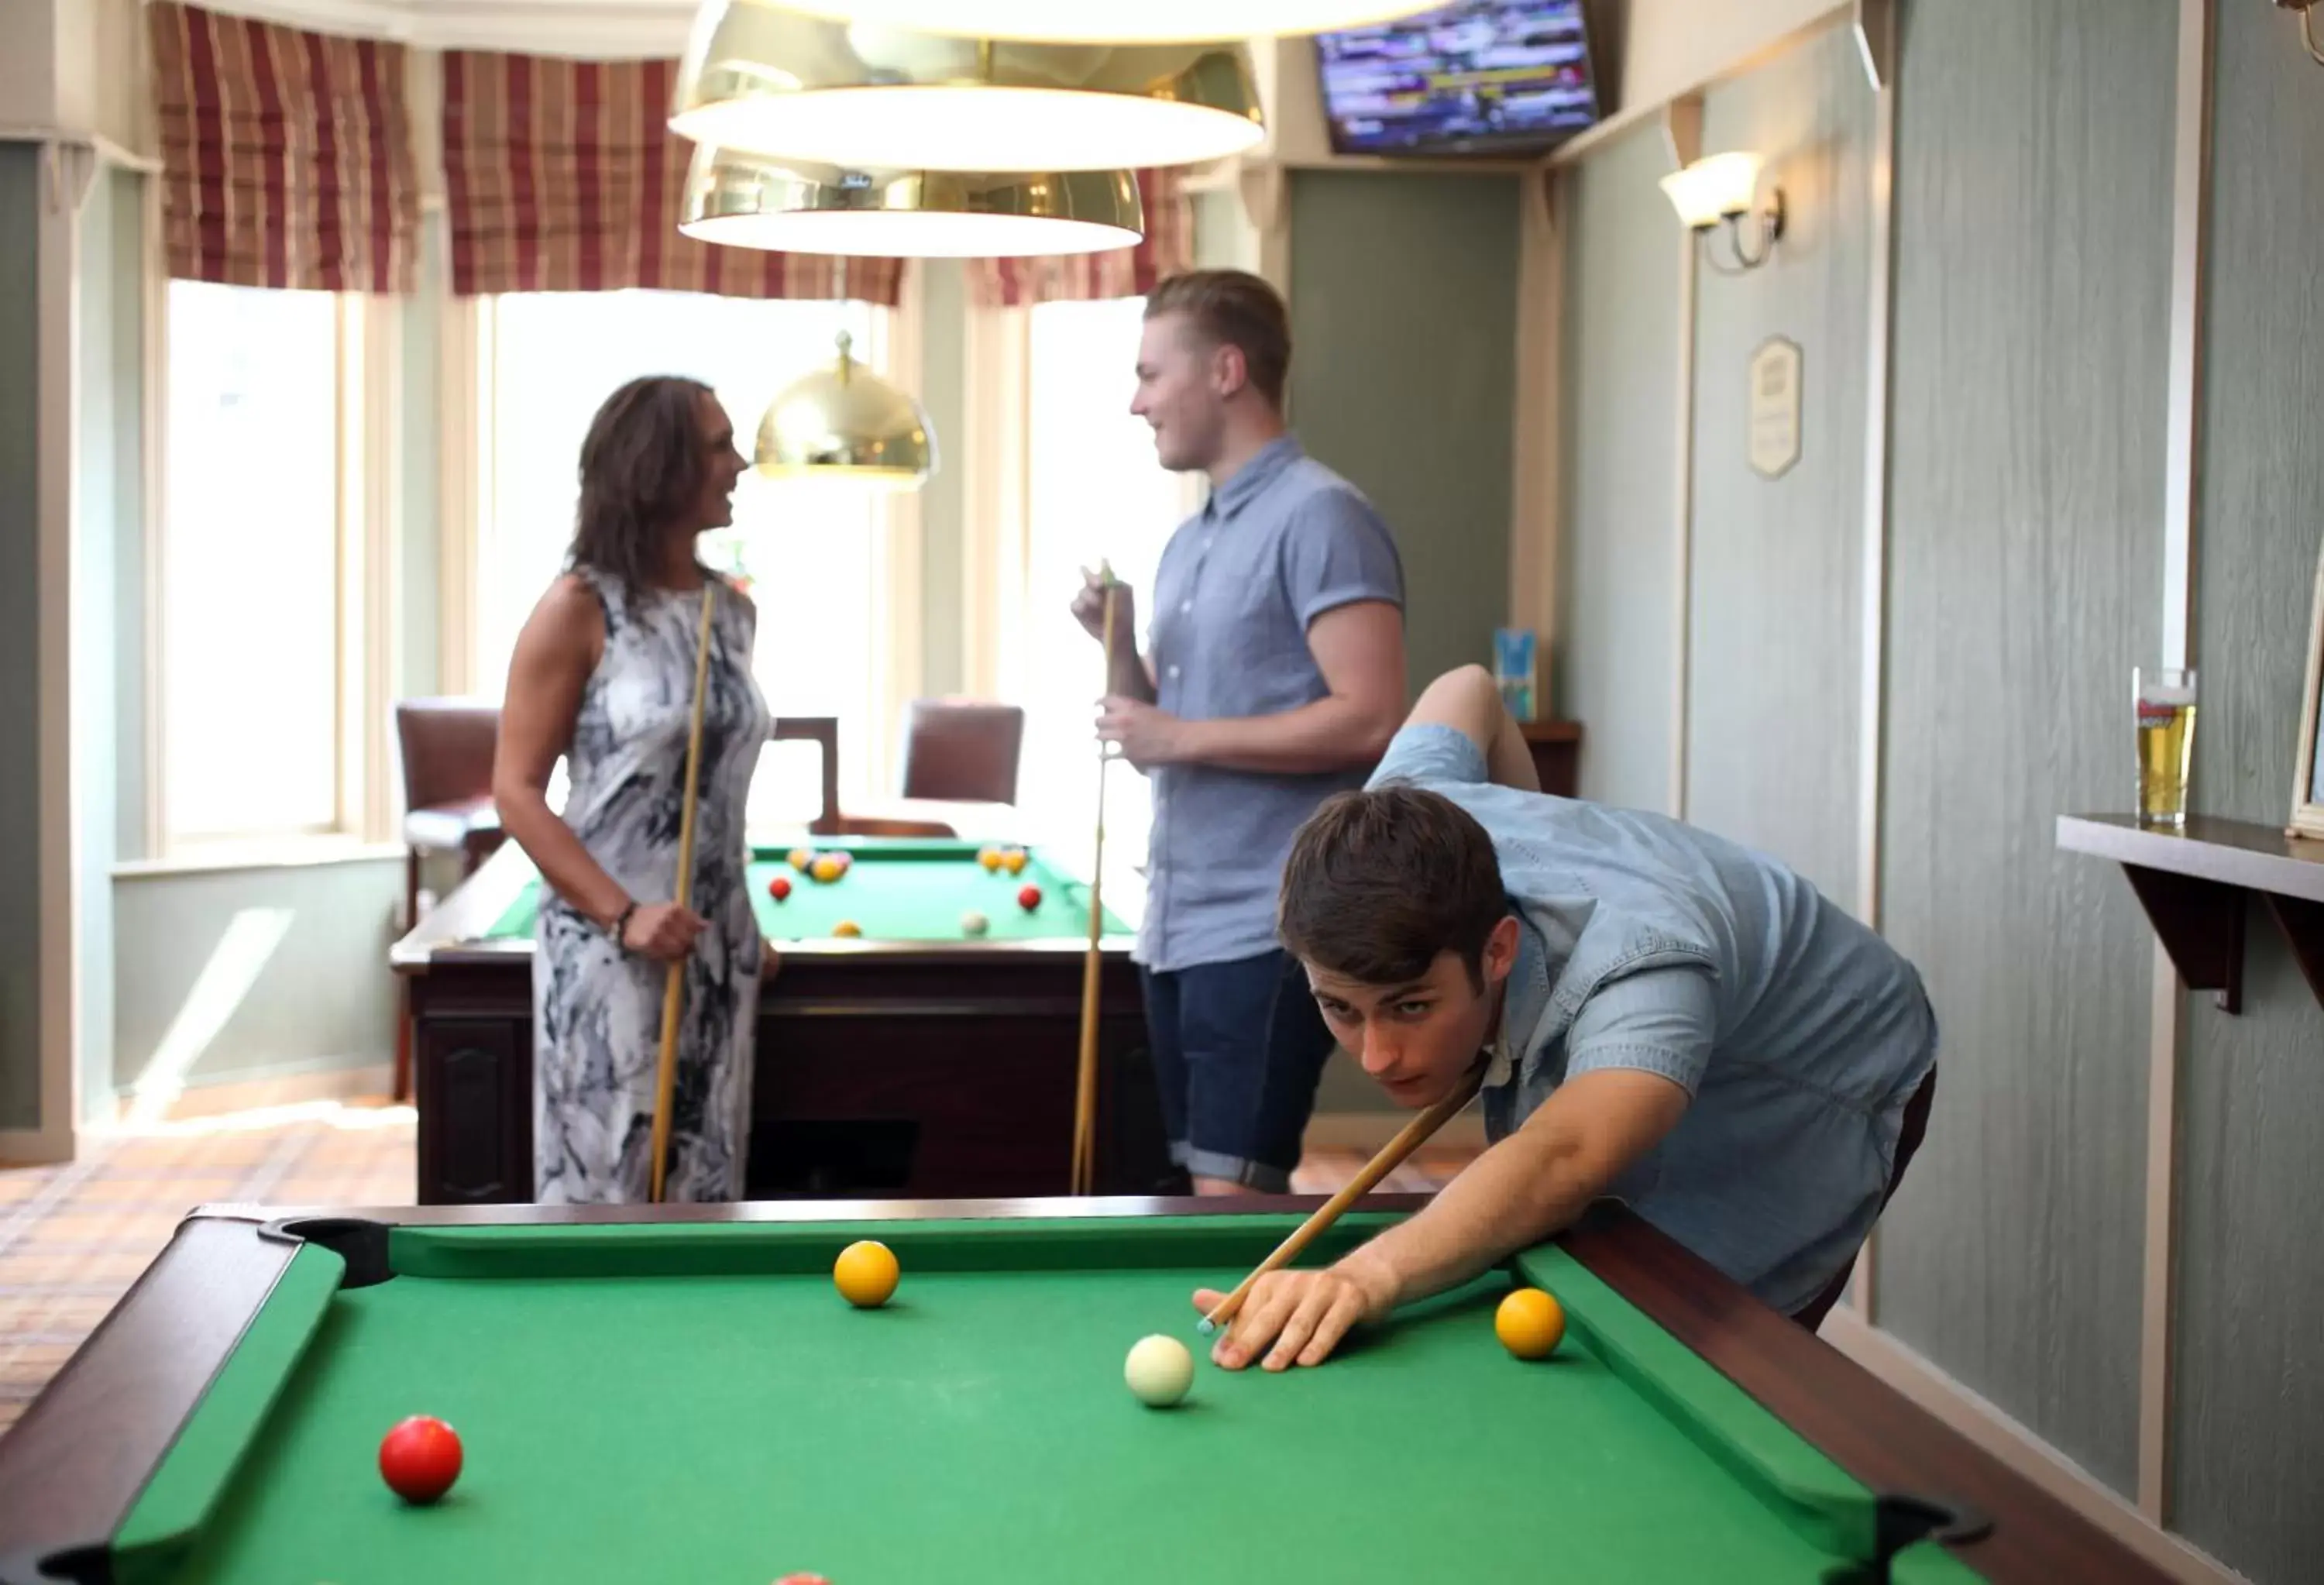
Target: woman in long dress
602, 675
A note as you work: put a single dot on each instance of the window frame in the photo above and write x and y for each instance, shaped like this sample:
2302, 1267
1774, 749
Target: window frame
366, 543
466, 487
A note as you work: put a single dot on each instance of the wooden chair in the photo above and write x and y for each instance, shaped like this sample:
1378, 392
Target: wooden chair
448, 747
963, 751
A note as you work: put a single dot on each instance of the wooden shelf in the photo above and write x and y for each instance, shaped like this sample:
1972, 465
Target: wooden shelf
2195, 885
1556, 749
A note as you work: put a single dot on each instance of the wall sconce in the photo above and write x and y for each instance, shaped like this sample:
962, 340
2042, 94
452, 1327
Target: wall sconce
1724, 190
2307, 25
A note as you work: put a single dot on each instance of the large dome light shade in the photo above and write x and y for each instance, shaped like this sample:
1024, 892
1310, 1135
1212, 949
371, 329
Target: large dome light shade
1119, 22
845, 423
772, 81
748, 201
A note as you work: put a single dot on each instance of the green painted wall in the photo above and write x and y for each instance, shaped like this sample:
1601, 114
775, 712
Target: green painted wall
1403, 312
1777, 624
1403, 301
2249, 1346
2031, 313
1613, 666
20, 851
107, 654
218, 970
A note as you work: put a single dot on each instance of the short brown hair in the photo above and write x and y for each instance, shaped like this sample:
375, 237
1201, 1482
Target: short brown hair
1233, 308
1379, 882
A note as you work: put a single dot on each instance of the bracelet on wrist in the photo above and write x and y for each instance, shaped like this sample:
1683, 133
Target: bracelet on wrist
621, 927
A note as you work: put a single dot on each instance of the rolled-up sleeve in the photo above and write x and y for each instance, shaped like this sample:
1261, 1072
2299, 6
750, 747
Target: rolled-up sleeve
1657, 1021
1431, 752
1338, 552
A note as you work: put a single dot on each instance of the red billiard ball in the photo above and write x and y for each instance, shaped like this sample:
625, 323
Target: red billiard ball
802, 1580
1028, 898
420, 1459
780, 888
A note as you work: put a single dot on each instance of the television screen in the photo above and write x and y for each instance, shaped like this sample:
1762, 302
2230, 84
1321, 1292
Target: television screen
1481, 76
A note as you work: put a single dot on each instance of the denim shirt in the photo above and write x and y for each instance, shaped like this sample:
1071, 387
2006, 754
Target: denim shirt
1279, 544
1648, 945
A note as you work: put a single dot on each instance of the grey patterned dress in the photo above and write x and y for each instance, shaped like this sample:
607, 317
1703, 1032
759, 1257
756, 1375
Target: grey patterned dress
596, 1011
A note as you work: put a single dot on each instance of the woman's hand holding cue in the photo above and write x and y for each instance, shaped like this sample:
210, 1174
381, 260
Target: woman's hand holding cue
662, 931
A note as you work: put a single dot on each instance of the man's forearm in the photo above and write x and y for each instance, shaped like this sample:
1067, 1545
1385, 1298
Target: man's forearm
1513, 1196
1333, 733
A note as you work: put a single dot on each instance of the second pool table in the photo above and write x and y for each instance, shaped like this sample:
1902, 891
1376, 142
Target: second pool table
916, 1060
678, 1393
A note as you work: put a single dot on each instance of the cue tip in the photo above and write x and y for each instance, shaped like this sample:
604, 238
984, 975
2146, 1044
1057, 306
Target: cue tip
1206, 1326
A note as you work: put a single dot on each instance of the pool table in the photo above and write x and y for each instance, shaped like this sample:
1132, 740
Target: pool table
679, 1394
916, 1060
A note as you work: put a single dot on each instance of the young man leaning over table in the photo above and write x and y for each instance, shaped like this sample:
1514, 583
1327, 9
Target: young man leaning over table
1667, 1018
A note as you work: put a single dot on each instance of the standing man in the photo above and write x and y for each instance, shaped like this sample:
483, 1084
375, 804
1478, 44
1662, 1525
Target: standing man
1274, 678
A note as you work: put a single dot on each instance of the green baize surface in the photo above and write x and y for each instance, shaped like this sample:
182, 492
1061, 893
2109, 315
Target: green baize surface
698, 1403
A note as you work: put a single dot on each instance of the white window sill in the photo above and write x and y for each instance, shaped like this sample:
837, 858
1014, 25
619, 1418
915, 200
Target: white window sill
282, 853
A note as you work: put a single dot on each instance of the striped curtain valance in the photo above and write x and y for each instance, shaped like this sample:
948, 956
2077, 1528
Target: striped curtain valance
286, 155
563, 175
1167, 248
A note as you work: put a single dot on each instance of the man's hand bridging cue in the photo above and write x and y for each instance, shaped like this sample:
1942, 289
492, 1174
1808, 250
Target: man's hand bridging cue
1298, 1317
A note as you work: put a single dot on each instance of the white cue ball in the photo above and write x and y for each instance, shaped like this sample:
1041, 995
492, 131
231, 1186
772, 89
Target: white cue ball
973, 923
1159, 1371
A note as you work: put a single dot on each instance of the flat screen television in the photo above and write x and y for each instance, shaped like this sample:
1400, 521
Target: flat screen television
1479, 77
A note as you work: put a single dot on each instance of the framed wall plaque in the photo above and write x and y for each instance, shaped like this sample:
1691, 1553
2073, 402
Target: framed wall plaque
1774, 409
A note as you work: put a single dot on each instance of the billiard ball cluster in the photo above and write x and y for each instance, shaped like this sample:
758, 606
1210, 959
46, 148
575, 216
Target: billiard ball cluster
996, 858
824, 867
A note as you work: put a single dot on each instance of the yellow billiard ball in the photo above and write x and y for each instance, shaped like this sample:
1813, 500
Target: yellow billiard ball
865, 1273
990, 857
1529, 1323
1015, 860
847, 929
800, 859
828, 868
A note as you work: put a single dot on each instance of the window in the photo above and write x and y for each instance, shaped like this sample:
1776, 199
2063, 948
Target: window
815, 557
1093, 492
259, 609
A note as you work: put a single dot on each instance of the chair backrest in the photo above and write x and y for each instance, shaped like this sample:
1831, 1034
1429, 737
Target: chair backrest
962, 751
447, 746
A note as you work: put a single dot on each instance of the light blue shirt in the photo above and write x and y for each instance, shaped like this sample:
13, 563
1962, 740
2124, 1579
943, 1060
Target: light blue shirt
1280, 543
1649, 944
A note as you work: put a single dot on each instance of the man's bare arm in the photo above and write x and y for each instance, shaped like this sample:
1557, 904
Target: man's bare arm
1358, 647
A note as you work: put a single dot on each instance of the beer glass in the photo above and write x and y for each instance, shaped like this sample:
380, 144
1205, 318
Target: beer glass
2164, 700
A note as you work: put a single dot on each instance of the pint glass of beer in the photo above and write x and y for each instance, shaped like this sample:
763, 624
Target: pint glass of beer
2164, 699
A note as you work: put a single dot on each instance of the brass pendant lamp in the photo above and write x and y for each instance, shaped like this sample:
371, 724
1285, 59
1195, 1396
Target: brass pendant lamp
867, 96
1119, 22
845, 423
748, 201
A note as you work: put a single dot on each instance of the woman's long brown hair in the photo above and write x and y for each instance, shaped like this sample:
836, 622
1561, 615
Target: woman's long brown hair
641, 470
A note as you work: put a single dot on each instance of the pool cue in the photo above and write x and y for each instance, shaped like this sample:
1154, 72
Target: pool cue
1084, 1169
1408, 1139
673, 997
